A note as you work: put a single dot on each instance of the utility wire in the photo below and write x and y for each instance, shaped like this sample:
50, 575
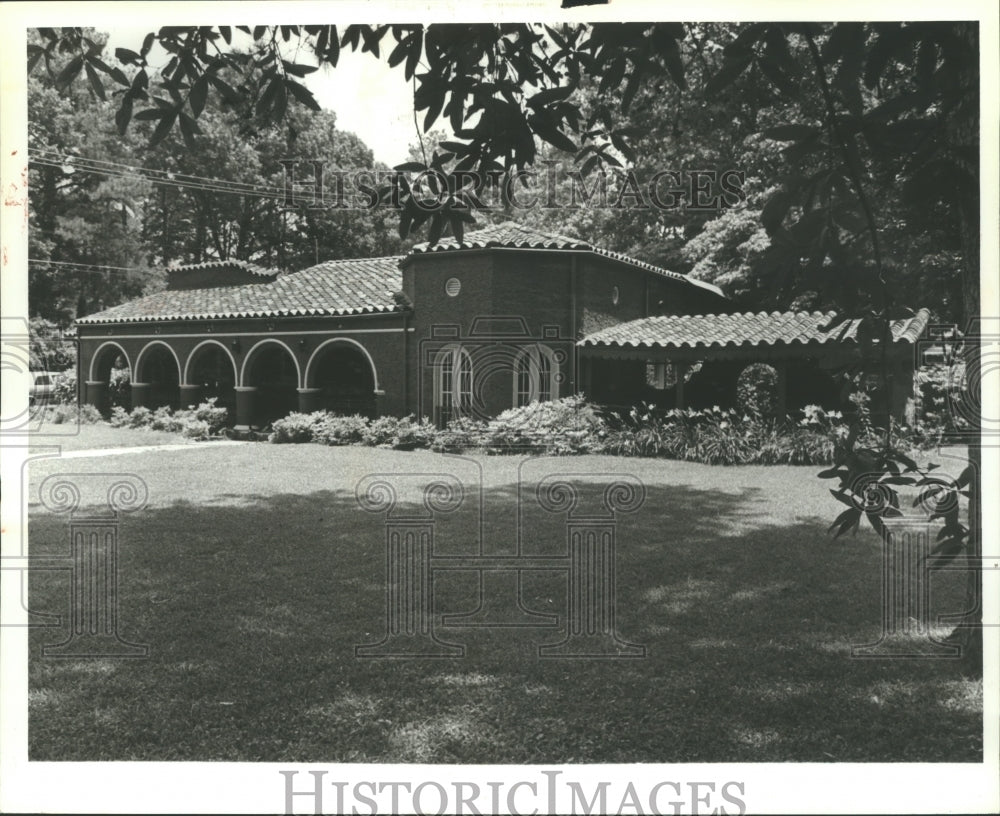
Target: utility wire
169, 178
85, 266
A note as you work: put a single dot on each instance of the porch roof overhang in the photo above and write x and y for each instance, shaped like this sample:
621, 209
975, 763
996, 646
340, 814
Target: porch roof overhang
762, 335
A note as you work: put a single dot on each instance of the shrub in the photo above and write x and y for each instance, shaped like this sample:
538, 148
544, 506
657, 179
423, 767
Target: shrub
340, 430
381, 432
725, 437
162, 419
757, 391
202, 422
70, 413
412, 434
935, 387
459, 435
196, 429
64, 388
565, 426
295, 428
212, 415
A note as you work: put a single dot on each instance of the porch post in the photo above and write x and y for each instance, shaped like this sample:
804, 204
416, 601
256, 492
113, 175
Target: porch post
309, 399
586, 376
140, 395
246, 399
97, 395
189, 395
680, 370
781, 366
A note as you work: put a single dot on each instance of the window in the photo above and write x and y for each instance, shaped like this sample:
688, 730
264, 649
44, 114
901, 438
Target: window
453, 384
536, 376
452, 287
615, 295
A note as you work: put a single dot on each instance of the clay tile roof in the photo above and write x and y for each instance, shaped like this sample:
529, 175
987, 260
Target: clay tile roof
516, 236
361, 286
749, 329
212, 266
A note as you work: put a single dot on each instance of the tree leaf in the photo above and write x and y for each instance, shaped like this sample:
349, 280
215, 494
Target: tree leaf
127, 55
773, 71
437, 226
413, 56
671, 54
69, 72
124, 115
297, 69
549, 95
188, 130
229, 94
730, 71
302, 94
198, 95
774, 211
457, 227
150, 114
270, 95
405, 221
95, 82
162, 129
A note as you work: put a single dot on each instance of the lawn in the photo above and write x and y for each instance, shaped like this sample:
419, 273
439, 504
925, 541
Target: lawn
252, 575
74, 437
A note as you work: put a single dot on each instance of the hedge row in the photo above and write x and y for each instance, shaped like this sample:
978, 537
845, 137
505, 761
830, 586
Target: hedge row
573, 426
202, 422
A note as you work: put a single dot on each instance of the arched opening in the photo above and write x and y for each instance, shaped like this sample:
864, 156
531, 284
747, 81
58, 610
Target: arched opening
272, 370
110, 365
344, 375
157, 367
452, 384
212, 369
536, 376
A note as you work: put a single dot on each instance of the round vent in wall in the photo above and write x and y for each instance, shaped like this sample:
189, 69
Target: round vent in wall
452, 287
614, 295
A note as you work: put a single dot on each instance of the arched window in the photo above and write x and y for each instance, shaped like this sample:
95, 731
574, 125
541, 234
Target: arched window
535, 376
453, 384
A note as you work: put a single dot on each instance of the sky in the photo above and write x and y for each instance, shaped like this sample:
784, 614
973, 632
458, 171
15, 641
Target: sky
370, 99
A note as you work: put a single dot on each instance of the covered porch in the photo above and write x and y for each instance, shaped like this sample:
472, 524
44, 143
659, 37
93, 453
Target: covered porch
694, 361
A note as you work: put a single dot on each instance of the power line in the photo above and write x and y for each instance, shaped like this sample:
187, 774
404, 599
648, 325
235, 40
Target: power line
169, 178
86, 266
66, 158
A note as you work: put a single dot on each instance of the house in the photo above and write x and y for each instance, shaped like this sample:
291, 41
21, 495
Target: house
507, 316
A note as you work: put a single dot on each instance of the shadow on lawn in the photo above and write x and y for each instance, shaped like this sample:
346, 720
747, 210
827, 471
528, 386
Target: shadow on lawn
253, 605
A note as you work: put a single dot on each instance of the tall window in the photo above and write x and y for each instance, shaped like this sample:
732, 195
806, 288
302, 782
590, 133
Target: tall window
453, 384
535, 376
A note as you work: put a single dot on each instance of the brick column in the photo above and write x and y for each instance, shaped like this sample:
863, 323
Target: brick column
140, 395
246, 399
379, 402
309, 399
97, 395
189, 395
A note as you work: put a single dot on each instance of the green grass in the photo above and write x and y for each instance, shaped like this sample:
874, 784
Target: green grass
252, 575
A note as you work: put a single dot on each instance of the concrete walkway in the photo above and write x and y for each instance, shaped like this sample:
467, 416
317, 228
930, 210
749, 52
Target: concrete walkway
87, 454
